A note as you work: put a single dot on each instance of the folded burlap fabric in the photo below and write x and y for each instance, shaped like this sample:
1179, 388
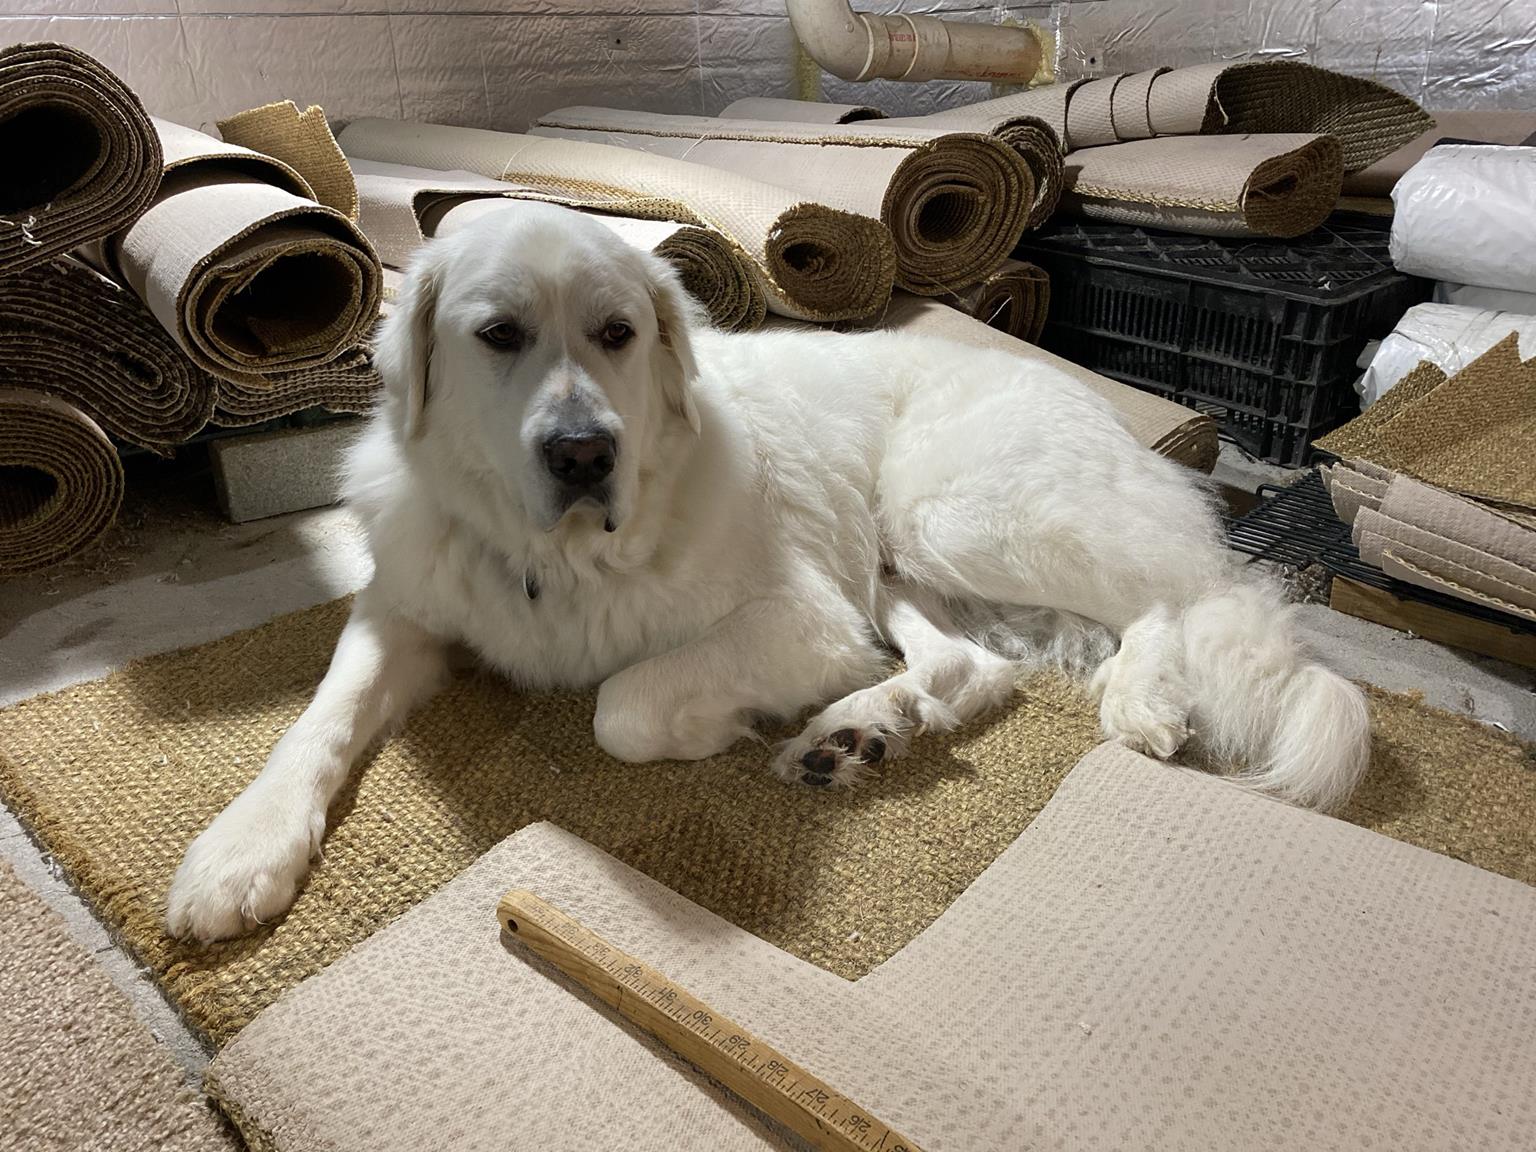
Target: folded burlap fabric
61, 481
241, 265
1015, 299
955, 203
67, 330
813, 262
401, 206
303, 141
1279, 185
81, 158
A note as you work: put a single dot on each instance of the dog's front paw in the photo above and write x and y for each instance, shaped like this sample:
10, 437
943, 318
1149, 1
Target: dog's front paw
244, 870
1144, 722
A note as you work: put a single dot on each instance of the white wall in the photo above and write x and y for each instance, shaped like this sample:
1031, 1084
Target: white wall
498, 63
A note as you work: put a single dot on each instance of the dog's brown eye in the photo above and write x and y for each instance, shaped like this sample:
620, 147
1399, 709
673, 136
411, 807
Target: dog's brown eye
617, 334
503, 334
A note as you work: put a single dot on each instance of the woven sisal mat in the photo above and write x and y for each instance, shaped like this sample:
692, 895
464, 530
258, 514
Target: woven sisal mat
117, 776
77, 1070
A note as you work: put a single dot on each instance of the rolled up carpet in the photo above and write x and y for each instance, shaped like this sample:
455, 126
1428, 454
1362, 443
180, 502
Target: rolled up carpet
400, 206
1282, 185
303, 141
814, 262
955, 202
1491, 127
798, 111
346, 383
61, 481
241, 266
67, 330
1015, 299
81, 157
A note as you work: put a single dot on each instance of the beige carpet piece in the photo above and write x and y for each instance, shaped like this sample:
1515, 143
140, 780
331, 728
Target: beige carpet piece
81, 157
1160, 961
1015, 299
1279, 185
1490, 127
238, 263
78, 1070
955, 202
401, 206
303, 141
117, 776
61, 482
348, 383
1177, 432
798, 111
814, 262
67, 330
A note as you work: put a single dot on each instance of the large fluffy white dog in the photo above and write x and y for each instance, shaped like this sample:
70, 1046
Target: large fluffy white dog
577, 482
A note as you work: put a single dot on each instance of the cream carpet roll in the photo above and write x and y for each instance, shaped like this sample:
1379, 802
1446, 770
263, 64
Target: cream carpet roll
67, 330
955, 202
798, 111
1281, 185
239, 263
61, 481
1015, 299
80, 157
401, 206
813, 262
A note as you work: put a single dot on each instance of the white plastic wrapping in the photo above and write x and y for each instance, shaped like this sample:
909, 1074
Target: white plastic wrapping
1446, 335
1467, 213
1494, 299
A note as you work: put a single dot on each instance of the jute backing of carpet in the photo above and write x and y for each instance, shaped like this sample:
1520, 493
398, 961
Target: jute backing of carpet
67, 330
814, 262
1490, 127
349, 383
248, 273
117, 776
81, 158
303, 141
955, 202
1015, 299
1280, 185
61, 481
401, 206
77, 1069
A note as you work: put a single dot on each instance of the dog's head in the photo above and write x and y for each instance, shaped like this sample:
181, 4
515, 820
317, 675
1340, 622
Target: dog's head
542, 353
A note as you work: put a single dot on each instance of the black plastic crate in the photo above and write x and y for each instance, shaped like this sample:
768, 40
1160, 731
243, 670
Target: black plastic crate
1296, 525
1262, 335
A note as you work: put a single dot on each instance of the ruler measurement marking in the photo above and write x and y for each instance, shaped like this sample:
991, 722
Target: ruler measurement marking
711, 1041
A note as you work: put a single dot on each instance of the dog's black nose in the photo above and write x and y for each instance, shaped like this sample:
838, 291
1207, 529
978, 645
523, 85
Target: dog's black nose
580, 460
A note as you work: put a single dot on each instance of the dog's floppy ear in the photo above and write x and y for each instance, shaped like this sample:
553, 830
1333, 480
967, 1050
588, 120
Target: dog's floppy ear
675, 317
404, 353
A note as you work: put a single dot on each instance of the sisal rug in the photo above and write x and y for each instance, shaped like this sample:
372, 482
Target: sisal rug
77, 1069
117, 776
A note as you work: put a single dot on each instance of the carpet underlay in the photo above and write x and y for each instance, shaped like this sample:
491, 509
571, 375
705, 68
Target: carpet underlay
117, 776
77, 1069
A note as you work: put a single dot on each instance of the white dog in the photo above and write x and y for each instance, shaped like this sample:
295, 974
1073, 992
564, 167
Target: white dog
571, 478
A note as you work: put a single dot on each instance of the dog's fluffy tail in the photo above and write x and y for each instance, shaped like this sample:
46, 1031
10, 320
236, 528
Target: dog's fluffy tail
1301, 732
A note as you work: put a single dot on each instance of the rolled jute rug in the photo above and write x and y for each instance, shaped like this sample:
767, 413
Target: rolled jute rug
1015, 299
117, 776
61, 481
1035, 141
955, 202
1280, 185
303, 141
78, 1069
81, 158
813, 262
67, 330
241, 265
400, 207
346, 383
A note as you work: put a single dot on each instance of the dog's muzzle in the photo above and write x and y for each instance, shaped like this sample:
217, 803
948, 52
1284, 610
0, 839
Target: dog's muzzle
581, 465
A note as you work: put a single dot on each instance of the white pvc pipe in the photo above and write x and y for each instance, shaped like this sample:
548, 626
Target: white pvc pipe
859, 46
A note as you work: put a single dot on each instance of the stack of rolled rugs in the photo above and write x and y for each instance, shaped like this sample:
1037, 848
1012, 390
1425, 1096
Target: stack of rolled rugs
1438, 480
154, 279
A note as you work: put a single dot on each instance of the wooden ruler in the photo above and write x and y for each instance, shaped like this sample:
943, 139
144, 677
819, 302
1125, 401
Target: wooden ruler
707, 1039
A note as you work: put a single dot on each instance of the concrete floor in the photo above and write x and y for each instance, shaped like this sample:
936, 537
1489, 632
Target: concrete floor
174, 574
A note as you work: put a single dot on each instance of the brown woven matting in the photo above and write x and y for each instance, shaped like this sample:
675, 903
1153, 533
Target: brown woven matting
814, 262
61, 481
303, 141
1015, 299
348, 383
117, 776
76, 1064
67, 330
78, 156
955, 202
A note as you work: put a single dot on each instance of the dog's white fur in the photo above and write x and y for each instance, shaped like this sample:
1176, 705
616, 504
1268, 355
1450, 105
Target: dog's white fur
782, 503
